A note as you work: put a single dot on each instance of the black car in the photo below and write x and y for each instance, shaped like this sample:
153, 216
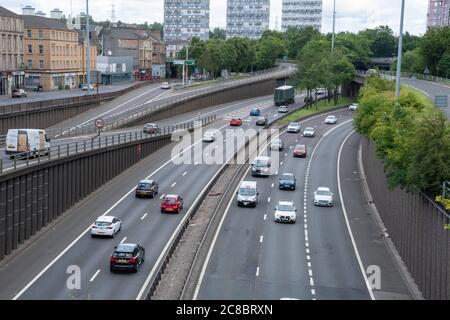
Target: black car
146, 188
287, 181
127, 256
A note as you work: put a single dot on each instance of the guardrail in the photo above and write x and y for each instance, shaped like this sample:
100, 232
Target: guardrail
408, 75
96, 142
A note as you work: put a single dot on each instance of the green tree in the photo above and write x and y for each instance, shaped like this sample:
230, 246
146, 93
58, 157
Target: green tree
356, 47
444, 65
412, 61
297, 38
433, 45
218, 33
382, 41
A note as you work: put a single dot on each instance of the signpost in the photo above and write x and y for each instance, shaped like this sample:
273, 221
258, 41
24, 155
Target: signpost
99, 123
441, 101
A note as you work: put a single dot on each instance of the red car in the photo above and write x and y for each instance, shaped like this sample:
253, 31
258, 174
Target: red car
172, 203
236, 122
300, 151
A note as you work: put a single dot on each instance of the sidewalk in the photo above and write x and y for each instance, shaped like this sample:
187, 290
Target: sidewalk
58, 94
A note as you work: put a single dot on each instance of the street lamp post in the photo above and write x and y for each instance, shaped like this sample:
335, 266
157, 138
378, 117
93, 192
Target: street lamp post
88, 51
334, 26
400, 52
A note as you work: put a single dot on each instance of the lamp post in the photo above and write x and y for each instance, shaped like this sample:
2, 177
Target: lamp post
400, 52
334, 26
88, 50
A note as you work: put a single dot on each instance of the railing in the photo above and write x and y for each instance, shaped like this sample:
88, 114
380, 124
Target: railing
408, 75
22, 160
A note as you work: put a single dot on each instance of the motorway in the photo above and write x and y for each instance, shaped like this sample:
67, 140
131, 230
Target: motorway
40, 268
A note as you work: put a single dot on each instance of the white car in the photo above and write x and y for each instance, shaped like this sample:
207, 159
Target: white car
209, 136
309, 132
293, 127
106, 226
84, 87
283, 109
285, 212
323, 197
321, 91
165, 85
331, 120
353, 107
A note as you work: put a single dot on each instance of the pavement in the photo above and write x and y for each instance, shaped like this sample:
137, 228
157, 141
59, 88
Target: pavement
40, 266
321, 256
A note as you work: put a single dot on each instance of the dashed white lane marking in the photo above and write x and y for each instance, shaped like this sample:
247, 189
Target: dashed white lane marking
265, 216
311, 282
257, 271
162, 196
273, 185
173, 185
268, 199
143, 217
123, 240
313, 292
310, 272
261, 239
185, 173
95, 275
281, 163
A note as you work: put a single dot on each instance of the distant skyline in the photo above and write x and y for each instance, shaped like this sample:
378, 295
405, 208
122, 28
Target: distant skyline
352, 15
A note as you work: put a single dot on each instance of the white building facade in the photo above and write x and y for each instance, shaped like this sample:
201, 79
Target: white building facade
247, 18
302, 13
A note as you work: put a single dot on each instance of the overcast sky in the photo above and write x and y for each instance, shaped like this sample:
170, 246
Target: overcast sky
352, 15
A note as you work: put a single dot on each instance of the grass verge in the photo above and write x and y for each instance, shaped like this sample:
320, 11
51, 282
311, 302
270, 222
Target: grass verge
323, 105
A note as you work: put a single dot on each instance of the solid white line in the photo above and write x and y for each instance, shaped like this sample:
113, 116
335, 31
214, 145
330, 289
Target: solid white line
409, 85
123, 240
344, 211
143, 217
95, 275
173, 185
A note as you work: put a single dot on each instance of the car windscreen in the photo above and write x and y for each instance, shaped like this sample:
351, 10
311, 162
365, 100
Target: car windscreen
244, 191
285, 207
300, 147
144, 185
261, 163
123, 255
102, 224
287, 177
323, 193
170, 200
293, 124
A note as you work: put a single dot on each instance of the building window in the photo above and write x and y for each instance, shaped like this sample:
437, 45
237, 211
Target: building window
30, 64
41, 64
30, 48
41, 34
41, 49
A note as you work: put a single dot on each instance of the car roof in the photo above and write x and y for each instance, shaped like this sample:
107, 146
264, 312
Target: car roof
262, 158
126, 247
251, 184
300, 146
323, 189
285, 203
146, 181
331, 116
309, 128
293, 123
287, 174
105, 219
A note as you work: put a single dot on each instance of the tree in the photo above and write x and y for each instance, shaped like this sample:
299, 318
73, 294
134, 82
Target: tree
297, 38
412, 61
444, 65
245, 53
433, 45
218, 33
268, 49
382, 40
356, 47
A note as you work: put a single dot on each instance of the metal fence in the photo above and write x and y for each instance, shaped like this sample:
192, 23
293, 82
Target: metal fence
417, 226
419, 76
23, 160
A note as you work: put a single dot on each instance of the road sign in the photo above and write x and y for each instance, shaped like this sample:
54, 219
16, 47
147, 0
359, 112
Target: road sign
189, 62
181, 62
99, 123
441, 101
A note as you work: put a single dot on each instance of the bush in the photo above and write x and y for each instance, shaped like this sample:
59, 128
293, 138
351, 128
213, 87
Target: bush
67, 87
60, 87
411, 135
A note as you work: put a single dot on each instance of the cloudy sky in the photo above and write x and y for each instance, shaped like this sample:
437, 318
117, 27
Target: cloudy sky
352, 15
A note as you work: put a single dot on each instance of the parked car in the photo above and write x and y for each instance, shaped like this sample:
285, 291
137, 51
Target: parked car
353, 107
106, 226
283, 109
236, 122
151, 128
309, 132
146, 188
19, 93
293, 127
287, 181
323, 197
127, 256
320, 91
209, 136
299, 151
165, 85
84, 87
172, 203
255, 112
277, 144
331, 120
261, 121
285, 211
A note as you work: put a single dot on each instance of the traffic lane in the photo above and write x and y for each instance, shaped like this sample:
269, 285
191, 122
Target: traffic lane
57, 261
152, 233
372, 245
283, 247
234, 260
336, 271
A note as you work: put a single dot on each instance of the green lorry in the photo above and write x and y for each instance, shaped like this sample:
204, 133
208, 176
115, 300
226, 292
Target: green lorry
284, 95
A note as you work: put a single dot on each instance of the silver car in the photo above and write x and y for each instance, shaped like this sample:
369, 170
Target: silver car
151, 128
331, 120
283, 109
309, 132
353, 107
285, 211
293, 127
323, 197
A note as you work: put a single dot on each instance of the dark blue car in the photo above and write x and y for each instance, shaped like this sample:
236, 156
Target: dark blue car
255, 112
287, 181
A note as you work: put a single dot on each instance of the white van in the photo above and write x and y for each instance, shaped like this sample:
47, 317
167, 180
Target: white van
261, 166
26, 142
247, 194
